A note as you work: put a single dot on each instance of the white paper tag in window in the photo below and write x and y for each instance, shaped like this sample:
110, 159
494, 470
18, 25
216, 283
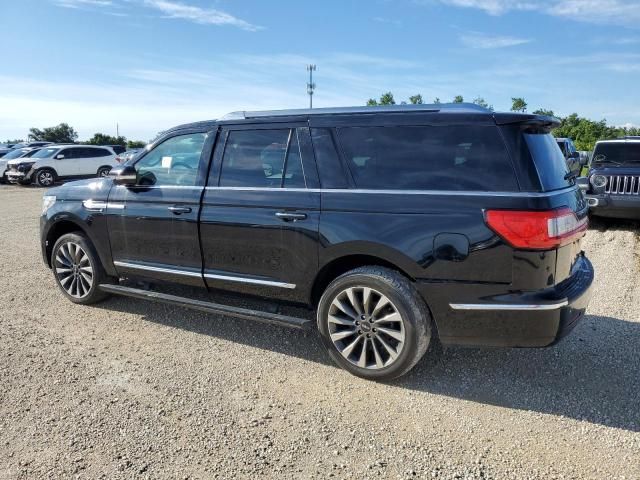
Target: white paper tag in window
166, 162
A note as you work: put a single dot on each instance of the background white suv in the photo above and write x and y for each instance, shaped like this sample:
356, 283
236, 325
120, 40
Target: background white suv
56, 162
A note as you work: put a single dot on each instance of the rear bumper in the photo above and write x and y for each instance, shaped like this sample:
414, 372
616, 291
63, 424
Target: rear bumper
522, 319
614, 206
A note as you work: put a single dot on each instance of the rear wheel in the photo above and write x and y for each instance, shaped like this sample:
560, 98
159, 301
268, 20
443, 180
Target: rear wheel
104, 171
374, 323
45, 177
77, 269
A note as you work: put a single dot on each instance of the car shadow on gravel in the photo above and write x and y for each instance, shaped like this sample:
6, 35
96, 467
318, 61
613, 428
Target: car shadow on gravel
602, 224
593, 375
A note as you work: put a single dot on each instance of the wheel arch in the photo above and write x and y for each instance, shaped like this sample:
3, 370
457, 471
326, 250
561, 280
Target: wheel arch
342, 264
58, 229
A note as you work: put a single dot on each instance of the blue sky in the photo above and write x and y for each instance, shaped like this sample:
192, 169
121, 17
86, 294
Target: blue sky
152, 64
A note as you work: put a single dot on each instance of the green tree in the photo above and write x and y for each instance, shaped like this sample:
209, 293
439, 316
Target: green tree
14, 141
458, 99
483, 103
63, 133
542, 111
416, 99
136, 144
436, 101
518, 104
385, 99
102, 139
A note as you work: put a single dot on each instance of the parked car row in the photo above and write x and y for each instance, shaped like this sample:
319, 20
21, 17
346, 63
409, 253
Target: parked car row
47, 164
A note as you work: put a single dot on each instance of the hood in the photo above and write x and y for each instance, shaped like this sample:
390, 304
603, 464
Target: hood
91, 188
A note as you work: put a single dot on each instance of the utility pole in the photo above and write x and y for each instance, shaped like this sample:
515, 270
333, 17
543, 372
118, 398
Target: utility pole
311, 86
117, 130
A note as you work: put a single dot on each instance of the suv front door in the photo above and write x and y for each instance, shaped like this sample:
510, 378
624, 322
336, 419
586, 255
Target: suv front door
153, 226
260, 212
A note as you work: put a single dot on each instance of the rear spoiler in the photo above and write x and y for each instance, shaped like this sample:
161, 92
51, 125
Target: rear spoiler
527, 119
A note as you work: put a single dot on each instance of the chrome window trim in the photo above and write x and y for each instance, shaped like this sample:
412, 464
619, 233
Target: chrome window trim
401, 192
509, 306
212, 276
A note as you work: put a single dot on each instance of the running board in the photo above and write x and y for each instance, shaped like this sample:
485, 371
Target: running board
210, 307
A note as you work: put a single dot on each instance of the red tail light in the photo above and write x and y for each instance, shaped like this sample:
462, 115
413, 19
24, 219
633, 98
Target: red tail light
536, 230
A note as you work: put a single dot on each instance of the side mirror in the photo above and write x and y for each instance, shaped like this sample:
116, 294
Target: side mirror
59, 157
125, 175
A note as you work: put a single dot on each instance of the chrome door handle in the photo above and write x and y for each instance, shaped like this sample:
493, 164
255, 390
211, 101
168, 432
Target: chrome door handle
291, 217
177, 209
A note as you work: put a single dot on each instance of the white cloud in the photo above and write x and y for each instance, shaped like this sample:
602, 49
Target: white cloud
83, 3
203, 16
168, 9
620, 12
483, 40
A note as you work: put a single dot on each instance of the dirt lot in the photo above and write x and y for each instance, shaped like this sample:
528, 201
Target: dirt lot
134, 389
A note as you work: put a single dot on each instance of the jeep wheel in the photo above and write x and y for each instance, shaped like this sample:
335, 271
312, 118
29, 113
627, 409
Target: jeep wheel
374, 323
77, 269
45, 177
104, 171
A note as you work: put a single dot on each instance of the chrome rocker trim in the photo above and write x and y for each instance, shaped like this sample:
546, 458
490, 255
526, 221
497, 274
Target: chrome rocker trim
509, 306
211, 276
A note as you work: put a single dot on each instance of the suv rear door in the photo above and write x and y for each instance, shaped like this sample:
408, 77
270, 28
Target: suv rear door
260, 211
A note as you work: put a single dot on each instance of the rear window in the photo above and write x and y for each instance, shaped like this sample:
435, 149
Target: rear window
471, 158
618, 153
549, 159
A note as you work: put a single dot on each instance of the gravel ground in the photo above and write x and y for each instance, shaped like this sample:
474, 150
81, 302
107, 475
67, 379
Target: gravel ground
130, 389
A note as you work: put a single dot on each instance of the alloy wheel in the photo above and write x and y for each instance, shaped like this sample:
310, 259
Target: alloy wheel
73, 270
45, 178
366, 327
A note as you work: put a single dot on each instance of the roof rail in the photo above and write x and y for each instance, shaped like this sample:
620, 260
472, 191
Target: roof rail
425, 108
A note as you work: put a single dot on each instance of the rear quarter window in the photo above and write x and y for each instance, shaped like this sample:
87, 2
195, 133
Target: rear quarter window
448, 157
549, 160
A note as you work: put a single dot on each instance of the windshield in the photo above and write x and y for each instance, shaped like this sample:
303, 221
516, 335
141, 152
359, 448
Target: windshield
550, 162
45, 153
15, 154
617, 153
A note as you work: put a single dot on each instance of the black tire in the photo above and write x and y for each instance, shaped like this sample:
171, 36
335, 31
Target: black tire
63, 258
103, 171
45, 177
405, 300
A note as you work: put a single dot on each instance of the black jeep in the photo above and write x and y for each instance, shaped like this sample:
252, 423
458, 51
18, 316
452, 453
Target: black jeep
395, 225
613, 189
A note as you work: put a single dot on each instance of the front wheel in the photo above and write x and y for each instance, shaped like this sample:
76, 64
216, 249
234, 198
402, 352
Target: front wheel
374, 323
77, 269
45, 177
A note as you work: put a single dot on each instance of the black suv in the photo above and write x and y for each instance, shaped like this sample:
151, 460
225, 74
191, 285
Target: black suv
613, 189
395, 225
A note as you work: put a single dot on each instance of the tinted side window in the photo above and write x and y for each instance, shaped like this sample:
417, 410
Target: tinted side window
68, 153
174, 162
549, 160
330, 169
254, 158
428, 158
101, 152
